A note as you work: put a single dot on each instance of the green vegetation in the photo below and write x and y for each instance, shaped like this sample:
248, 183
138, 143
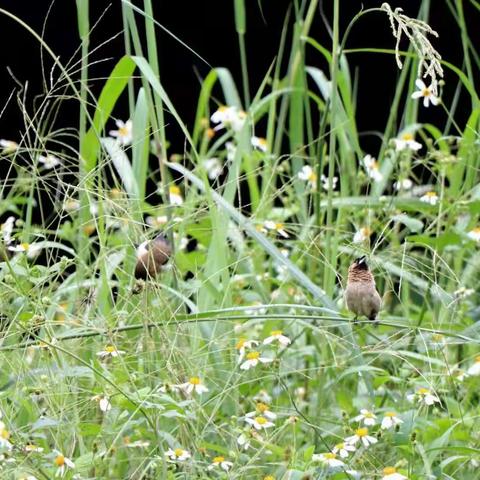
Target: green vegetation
240, 360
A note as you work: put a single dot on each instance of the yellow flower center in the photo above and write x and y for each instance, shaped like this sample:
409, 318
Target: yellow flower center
194, 381
5, 434
366, 231
431, 194
25, 246
253, 356
330, 456
279, 226
222, 108
477, 359
110, 348
389, 470
423, 391
88, 229
476, 230
340, 446
361, 432
240, 344
123, 132
210, 132
178, 452
407, 137
174, 190
60, 461
261, 420
391, 414
269, 477
312, 177
218, 459
262, 407
369, 415
426, 92
277, 333
262, 141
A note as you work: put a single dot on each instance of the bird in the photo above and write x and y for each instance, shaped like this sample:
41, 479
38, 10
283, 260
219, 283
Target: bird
151, 256
361, 293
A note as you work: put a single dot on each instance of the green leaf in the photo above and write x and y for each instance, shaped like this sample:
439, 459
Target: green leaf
116, 83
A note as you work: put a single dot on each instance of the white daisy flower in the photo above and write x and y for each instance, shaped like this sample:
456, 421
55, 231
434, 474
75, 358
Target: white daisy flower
103, 402
231, 151
276, 227
4, 436
220, 462
474, 369
362, 436
49, 160
253, 359
430, 197
308, 175
7, 229
264, 410
329, 459
243, 441
390, 473
263, 396
423, 395
110, 351
428, 93
63, 463
362, 235
277, 335
31, 448
178, 454
390, 419
368, 418
124, 134
158, 221
71, 204
462, 293
260, 422
259, 143
229, 117
406, 142
472, 234
175, 195
213, 167
242, 345
372, 168
343, 449
32, 250
404, 184
8, 146
136, 443
194, 384
326, 183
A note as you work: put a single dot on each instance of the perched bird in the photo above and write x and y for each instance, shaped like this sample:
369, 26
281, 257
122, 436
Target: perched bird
151, 256
361, 294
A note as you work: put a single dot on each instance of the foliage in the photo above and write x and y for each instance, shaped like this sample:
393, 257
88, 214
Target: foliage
240, 360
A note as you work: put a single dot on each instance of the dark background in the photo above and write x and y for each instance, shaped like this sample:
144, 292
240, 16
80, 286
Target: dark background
208, 28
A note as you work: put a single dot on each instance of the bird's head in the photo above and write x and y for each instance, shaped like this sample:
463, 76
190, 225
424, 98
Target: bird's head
360, 263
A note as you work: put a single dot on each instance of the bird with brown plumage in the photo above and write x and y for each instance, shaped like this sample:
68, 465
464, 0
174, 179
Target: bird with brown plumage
151, 256
361, 293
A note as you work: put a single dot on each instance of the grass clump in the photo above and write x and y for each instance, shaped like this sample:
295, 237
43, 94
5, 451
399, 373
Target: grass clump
239, 359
